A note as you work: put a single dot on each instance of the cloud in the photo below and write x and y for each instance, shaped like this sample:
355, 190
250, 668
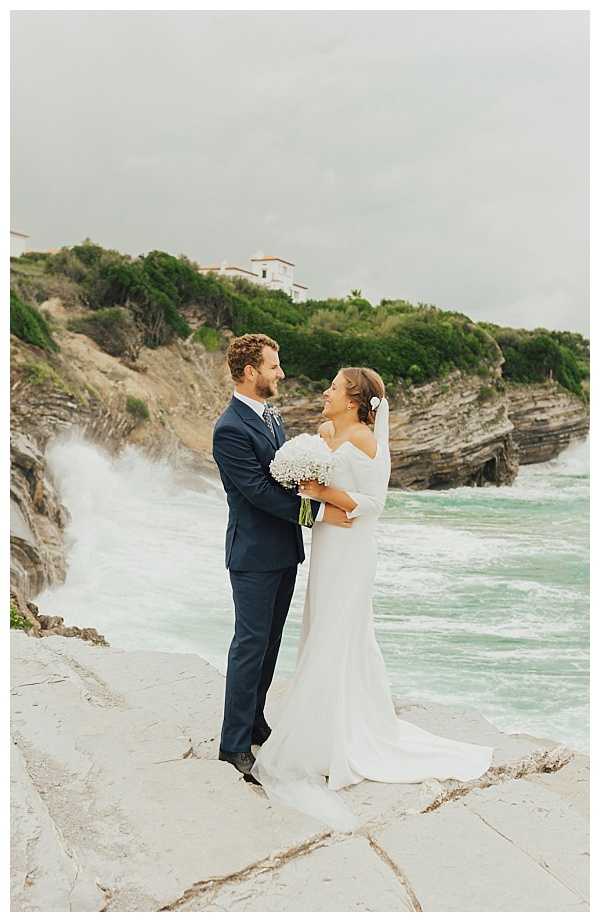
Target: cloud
440, 157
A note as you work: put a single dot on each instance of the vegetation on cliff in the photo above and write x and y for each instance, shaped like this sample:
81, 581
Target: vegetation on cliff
113, 328
137, 408
537, 355
28, 324
145, 300
17, 620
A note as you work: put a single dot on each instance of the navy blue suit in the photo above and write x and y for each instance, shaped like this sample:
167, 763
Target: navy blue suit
263, 547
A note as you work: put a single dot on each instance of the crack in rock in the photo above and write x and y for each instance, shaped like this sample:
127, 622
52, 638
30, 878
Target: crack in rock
211, 886
108, 894
58, 834
398, 873
50, 680
540, 862
541, 761
185, 678
188, 754
95, 690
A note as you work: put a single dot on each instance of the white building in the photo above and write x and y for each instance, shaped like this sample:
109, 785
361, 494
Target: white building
18, 243
270, 271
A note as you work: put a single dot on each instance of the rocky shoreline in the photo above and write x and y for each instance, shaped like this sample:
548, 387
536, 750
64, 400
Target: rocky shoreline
120, 804
465, 430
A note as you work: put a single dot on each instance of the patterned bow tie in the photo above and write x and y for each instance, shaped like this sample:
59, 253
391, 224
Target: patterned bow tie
270, 414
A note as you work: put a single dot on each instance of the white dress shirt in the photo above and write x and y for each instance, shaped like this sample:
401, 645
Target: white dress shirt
257, 405
259, 408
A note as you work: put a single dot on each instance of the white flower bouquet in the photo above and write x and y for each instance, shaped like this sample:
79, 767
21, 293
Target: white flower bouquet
305, 457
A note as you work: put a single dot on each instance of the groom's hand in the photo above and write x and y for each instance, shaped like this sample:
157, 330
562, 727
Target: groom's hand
335, 516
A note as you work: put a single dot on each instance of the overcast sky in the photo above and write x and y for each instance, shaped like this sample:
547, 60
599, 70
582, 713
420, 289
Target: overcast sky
437, 157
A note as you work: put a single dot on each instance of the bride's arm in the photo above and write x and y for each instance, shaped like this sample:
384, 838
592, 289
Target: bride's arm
372, 500
353, 503
338, 498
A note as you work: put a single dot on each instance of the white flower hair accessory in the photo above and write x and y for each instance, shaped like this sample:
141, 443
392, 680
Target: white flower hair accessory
375, 401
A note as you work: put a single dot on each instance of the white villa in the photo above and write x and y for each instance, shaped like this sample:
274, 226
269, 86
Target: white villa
18, 243
270, 271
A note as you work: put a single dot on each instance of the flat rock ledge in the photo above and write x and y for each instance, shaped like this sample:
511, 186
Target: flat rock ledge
119, 804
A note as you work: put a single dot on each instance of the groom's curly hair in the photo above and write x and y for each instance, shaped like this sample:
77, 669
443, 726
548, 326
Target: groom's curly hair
361, 385
247, 350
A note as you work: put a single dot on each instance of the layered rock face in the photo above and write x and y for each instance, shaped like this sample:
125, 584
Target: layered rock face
463, 431
546, 418
85, 390
447, 433
452, 433
37, 520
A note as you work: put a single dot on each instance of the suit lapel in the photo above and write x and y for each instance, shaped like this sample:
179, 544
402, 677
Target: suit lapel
252, 419
279, 434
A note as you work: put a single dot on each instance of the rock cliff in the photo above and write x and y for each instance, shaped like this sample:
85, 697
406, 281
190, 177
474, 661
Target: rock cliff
463, 430
546, 418
85, 390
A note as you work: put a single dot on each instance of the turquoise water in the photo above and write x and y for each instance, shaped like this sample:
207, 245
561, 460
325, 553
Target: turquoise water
482, 594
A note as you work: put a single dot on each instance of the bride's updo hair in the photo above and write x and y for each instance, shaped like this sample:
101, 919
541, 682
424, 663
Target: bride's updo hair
361, 385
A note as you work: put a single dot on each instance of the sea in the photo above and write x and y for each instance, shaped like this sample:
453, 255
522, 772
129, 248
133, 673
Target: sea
481, 597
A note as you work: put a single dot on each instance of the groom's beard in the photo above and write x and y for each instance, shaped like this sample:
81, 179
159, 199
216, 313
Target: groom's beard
265, 388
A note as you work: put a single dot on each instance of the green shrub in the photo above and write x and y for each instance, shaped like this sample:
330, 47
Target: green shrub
210, 338
537, 355
486, 393
402, 341
27, 323
137, 408
17, 620
153, 287
112, 328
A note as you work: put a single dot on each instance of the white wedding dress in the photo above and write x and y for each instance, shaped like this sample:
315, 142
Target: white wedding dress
337, 725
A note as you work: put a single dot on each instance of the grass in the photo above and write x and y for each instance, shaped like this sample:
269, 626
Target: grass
41, 374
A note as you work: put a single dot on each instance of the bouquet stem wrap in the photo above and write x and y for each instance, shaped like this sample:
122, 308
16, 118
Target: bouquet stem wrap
306, 514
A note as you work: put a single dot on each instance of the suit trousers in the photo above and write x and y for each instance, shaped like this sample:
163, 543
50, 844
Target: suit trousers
261, 601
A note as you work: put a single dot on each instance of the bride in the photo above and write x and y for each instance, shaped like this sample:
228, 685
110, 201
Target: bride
337, 725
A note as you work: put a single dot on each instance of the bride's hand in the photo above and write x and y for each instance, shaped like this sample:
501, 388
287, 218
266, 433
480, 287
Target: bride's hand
312, 489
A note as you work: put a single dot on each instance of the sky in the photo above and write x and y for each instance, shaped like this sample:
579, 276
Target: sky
439, 157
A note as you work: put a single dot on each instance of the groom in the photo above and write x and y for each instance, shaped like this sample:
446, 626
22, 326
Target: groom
263, 544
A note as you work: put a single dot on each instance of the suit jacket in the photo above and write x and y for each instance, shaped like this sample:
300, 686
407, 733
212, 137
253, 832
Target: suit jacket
263, 531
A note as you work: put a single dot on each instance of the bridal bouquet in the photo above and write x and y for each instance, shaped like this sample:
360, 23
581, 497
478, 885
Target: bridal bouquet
305, 457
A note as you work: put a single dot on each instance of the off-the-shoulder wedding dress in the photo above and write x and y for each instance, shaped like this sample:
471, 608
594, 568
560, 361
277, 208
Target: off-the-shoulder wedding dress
337, 725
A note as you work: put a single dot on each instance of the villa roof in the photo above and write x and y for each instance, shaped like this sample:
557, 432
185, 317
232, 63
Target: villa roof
224, 268
261, 259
